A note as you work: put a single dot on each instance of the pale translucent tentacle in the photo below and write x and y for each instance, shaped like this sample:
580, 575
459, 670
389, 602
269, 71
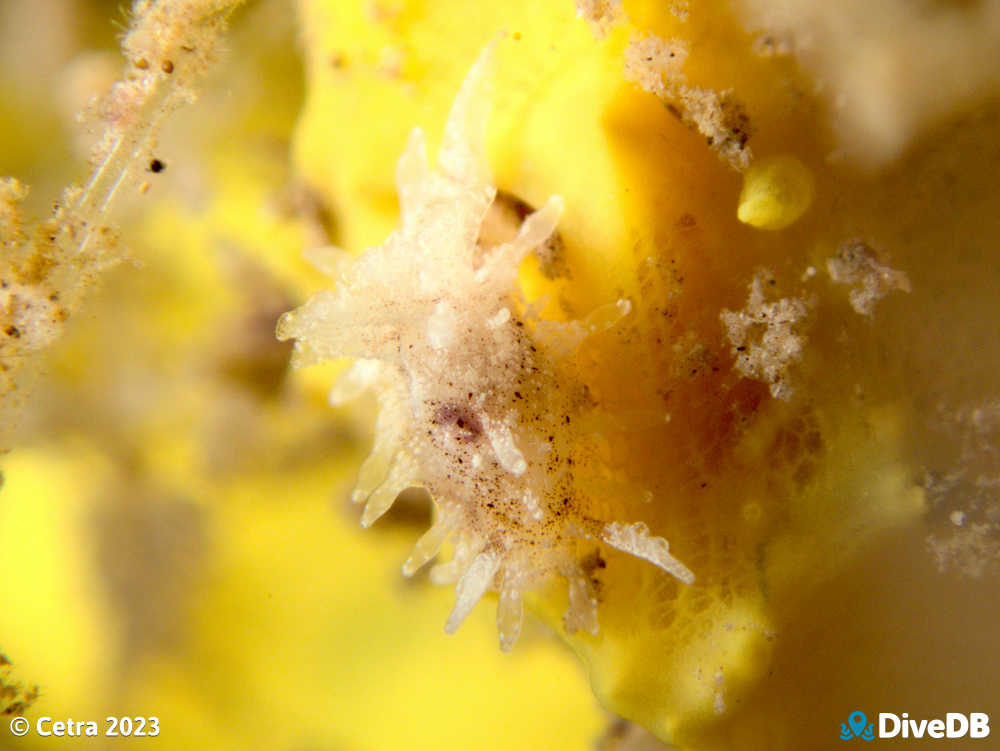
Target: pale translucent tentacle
563, 337
329, 259
358, 378
428, 546
606, 316
510, 615
390, 430
635, 540
466, 549
380, 501
401, 476
445, 573
463, 147
471, 587
329, 326
503, 260
373, 473
411, 174
581, 615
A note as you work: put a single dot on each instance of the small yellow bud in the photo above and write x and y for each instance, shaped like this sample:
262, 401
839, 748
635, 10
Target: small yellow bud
776, 191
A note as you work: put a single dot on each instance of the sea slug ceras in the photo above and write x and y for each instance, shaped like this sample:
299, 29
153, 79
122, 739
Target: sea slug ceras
475, 406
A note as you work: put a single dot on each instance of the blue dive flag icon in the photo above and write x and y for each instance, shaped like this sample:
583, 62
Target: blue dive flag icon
857, 727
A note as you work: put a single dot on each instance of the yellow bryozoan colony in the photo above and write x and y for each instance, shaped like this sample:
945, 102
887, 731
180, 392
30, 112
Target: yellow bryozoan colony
479, 396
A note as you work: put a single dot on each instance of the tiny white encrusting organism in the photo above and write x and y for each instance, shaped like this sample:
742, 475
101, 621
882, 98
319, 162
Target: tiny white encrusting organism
477, 404
855, 264
766, 336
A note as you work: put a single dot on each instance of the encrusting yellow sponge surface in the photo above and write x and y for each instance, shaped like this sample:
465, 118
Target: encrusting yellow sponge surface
703, 412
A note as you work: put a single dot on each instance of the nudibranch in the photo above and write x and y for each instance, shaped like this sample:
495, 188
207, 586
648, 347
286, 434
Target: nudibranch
478, 401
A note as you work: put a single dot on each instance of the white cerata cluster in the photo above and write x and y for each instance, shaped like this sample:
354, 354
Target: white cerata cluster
478, 402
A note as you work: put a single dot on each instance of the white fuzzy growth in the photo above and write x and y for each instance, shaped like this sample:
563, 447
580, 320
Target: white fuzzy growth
766, 336
635, 540
855, 264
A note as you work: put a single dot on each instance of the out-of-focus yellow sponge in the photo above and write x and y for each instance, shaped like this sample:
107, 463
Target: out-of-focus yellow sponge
776, 191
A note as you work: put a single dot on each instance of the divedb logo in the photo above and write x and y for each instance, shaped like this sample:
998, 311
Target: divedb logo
953, 725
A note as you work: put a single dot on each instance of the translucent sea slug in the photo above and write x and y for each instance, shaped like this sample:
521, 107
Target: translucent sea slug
479, 403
